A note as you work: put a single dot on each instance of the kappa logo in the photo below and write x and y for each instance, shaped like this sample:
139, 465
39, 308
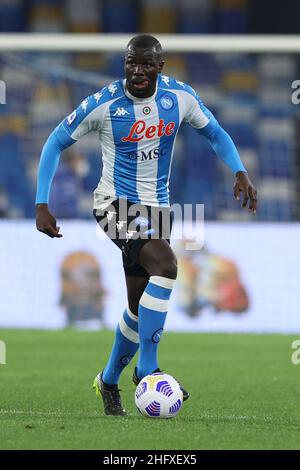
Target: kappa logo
180, 83
110, 215
120, 224
166, 80
97, 96
121, 112
112, 89
84, 104
129, 234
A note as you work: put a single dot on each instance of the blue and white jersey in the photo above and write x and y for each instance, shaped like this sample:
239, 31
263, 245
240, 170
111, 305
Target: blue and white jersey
137, 137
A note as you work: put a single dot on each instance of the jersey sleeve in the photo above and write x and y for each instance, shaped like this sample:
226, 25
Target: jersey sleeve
57, 141
201, 118
87, 117
196, 114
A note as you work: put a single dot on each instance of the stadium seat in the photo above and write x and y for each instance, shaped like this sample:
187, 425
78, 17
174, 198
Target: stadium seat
120, 16
13, 17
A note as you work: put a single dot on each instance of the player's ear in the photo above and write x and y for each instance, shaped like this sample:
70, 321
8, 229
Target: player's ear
161, 65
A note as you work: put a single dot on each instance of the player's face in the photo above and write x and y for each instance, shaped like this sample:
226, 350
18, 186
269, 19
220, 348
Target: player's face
141, 69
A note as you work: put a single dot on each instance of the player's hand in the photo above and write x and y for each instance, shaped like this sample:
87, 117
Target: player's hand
45, 222
244, 185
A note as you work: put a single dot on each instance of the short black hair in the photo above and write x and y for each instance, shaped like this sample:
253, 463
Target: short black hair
145, 41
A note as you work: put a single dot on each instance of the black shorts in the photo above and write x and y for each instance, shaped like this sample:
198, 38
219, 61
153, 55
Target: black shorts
130, 226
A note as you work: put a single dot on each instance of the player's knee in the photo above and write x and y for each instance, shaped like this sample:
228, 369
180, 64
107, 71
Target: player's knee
158, 259
167, 267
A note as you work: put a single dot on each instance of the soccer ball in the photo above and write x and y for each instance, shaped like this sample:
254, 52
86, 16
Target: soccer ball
158, 396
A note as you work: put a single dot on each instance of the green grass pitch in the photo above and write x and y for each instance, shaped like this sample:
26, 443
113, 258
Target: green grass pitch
245, 393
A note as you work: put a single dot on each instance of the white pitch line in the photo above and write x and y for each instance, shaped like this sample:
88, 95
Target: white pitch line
61, 413
47, 413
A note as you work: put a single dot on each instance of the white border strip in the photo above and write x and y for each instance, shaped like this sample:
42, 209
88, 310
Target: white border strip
170, 42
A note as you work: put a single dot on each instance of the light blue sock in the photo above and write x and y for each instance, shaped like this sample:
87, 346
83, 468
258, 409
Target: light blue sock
153, 308
125, 346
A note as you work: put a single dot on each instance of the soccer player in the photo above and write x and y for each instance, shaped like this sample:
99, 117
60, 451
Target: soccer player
137, 119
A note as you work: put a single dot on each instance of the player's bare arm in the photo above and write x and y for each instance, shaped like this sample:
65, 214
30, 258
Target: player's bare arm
244, 185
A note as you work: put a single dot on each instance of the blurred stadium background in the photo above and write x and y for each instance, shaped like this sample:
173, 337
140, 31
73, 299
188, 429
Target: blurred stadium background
250, 94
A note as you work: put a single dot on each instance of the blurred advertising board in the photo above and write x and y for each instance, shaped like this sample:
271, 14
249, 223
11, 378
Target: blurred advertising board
244, 279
